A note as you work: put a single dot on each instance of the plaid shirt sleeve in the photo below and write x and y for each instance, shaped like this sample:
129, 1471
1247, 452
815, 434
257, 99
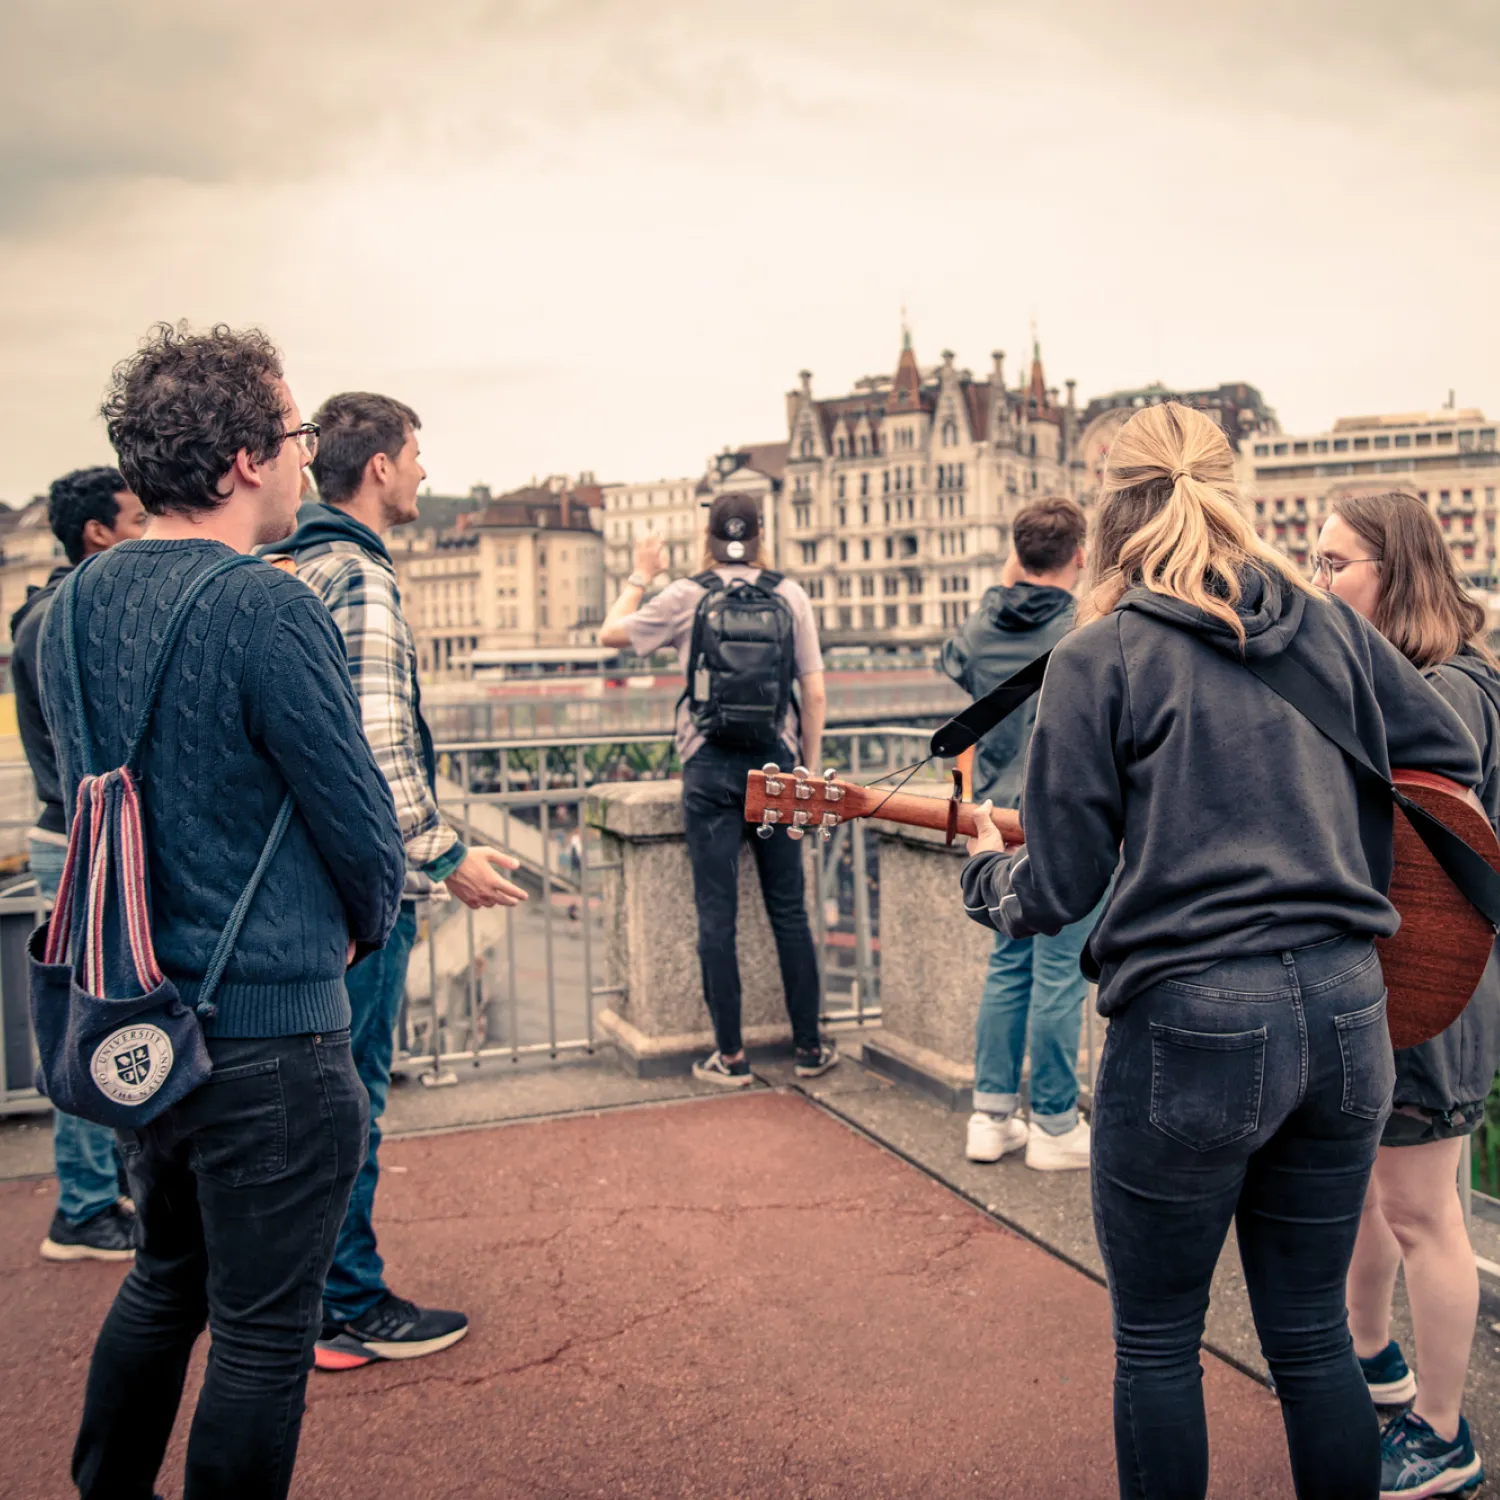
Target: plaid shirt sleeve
361, 596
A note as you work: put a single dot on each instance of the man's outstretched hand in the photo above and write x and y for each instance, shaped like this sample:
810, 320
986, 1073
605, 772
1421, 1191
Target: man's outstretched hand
476, 883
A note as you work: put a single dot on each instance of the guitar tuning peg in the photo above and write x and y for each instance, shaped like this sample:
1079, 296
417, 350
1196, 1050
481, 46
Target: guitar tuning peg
794, 833
801, 772
829, 773
770, 768
764, 831
827, 835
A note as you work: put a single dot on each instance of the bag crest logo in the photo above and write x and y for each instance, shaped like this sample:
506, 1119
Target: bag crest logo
131, 1064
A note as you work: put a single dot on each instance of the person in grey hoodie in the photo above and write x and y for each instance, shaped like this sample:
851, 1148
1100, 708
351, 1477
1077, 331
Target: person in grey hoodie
1247, 1070
1033, 988
1385, 556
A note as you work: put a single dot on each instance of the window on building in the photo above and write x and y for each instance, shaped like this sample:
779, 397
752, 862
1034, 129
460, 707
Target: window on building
1262, 450
864, 443
885, 481
1321, 446
838, 446
886, 508
890, 546
806, 448
914, 583
843, 553
1382, 442
892, 616
1403, 440
839, 487
864, 515
1280, 448
867, 586
864, 548
913, 614
843, 516
1442, 438
809, 553
1423, 440
1341, 445
864, 485
950, 434
892, 584
843, 588
867, 616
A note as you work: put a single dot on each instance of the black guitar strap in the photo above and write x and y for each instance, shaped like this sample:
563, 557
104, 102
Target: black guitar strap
1464, 865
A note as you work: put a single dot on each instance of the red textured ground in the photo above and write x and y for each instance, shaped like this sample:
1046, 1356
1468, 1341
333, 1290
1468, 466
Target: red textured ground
731, 1298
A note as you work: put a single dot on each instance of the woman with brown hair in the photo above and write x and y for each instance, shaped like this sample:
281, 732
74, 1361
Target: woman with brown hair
1385, 556
1247, 1069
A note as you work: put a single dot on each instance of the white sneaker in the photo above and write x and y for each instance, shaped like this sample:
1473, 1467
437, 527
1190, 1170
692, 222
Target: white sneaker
1058, 1153
991, 1137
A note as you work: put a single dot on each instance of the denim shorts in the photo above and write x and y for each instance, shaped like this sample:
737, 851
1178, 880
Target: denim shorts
1411, 1125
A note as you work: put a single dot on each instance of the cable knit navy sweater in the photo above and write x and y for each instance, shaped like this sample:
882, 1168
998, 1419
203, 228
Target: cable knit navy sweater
257, 700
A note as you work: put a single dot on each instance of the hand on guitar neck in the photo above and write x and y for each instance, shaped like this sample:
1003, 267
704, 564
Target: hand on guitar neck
801, 802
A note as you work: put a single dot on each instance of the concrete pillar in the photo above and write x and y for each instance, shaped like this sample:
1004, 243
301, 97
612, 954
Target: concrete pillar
660, 1023
932, 964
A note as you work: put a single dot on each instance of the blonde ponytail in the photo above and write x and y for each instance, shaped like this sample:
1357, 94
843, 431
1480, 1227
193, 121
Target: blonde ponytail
1170, 519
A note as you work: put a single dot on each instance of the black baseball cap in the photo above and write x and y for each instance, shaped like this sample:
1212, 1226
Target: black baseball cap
733, 523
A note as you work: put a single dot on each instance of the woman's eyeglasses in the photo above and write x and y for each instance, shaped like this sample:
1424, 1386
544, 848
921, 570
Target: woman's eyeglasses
1333, 566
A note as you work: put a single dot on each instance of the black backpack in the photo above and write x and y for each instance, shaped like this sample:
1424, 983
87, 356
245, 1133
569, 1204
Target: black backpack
740, 662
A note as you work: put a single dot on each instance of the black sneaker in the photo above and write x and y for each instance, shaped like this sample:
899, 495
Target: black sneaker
1391, 1383
107, 1236
392, 1329
1415, 1461
817, 1060
728, 1075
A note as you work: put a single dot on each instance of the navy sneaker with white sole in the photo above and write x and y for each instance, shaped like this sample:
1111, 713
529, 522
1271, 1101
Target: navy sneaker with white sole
392, 1329
1391, 1383
1415, 1461
109, 1235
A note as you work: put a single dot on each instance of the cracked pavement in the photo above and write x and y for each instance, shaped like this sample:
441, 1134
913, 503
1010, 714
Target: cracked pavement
733, 1297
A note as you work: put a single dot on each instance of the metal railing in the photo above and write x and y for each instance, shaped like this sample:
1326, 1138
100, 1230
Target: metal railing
548, 953
528, 981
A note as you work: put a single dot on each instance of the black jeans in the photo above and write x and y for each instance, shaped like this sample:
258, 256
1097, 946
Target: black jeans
1253, 1091
240, 1189
713, 805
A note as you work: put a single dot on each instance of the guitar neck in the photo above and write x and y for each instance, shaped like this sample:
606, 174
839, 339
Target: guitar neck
923, 812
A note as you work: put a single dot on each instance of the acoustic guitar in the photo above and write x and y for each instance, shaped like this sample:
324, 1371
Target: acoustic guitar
1432, 965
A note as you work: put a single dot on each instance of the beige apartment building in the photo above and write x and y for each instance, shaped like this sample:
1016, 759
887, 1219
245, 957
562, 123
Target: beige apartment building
894, 511
672, 508
525, 572
1447, 458
28, 554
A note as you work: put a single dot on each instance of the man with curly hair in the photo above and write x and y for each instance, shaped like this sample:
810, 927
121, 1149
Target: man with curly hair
240, 1187
89, 511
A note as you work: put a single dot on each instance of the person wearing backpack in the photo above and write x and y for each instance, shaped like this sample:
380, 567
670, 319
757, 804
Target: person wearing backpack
257, 854
744, 636
1033, 988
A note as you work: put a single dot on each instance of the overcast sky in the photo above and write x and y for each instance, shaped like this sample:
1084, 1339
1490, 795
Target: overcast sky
581, 234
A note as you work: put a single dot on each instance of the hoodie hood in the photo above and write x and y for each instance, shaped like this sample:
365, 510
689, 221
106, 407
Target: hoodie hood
1025, 606
1479, 671
35, 596
319, 526
1269, 609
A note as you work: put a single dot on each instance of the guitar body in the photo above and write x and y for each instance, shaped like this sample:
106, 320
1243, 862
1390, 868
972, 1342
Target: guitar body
1434, 963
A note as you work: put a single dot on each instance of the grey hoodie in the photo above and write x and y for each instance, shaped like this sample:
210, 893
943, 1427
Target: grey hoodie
1237, 827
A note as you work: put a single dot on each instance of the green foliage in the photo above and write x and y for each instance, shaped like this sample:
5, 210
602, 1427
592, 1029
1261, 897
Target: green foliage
1486, 1174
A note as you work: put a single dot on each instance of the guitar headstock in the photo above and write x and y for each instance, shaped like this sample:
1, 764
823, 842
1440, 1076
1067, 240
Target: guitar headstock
796, 800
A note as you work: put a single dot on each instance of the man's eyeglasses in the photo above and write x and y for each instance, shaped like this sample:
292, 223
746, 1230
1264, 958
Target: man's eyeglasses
1333, 566
307, 435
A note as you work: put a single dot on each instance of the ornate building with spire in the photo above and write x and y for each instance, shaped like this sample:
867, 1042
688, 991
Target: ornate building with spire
894, 510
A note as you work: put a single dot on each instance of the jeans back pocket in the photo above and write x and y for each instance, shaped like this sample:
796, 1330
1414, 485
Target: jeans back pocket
1206, 1085
1369, 1063
237, 1125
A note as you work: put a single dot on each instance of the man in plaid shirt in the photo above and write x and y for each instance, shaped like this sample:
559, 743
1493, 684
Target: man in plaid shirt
368, 472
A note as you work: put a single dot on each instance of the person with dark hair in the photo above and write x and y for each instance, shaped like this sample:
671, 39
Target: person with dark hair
737, 716
1033, 990
1385, 555
89, 510
1247, 1071
241, 1185
368, 469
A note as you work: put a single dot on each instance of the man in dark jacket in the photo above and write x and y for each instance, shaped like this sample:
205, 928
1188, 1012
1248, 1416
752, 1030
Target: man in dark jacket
89, 511
240, 1186
1033, 983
